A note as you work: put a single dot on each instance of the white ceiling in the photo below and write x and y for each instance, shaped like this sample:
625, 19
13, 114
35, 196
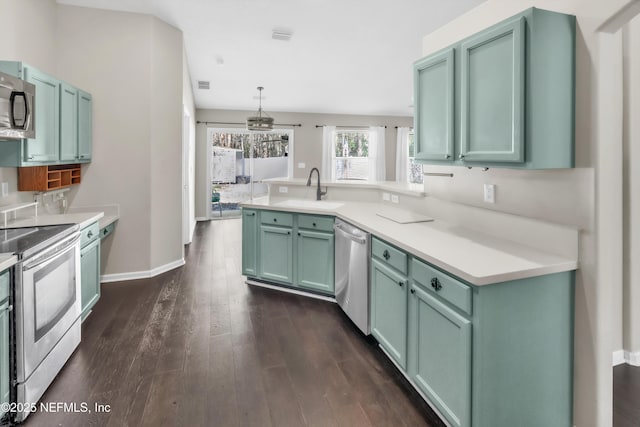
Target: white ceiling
345, 56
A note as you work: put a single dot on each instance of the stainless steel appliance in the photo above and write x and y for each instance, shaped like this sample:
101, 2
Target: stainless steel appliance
352, 247
17, 108
47, 306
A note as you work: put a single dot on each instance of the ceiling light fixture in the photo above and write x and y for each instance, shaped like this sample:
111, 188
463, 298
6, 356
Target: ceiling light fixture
260, 122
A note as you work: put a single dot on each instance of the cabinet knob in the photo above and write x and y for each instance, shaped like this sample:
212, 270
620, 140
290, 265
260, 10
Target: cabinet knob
413, 291
435, 284
298, 233
275, 219
461, 156
30, 158
252, 214
314, 224
288, 232
386, 255
448, 156
400, 284
90, 234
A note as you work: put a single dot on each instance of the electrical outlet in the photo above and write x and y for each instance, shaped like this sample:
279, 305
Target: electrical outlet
386, 197
283, 189
395, 198
301, 165
5, 189
489, 193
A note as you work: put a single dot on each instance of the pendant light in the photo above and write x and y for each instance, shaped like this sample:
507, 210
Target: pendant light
259, 122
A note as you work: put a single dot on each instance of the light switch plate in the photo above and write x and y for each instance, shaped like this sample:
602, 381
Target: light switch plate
283, 189
5, 189
395, 198
386, 197
489, 193
302, 165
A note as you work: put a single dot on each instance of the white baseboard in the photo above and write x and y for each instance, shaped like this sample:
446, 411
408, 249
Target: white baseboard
134, 275
623, 356
618, 357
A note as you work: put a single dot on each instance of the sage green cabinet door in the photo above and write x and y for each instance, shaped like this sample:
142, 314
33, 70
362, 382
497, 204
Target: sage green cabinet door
434, 106
44, 147
276, 254
90, 276
315, 259
4, 355
440, 354
492, 94
68, 123
389, 311
85, 126
249, 242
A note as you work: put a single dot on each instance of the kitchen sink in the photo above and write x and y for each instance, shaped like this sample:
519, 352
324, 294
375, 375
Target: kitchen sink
309, 204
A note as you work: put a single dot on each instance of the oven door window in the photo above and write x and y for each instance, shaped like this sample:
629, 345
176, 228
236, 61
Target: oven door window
55, 293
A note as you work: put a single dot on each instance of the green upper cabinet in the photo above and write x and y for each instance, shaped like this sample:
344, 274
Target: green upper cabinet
44, 148
249, 242
85, 126
434, 111
68, 123
513, 92
63, 117
492, 95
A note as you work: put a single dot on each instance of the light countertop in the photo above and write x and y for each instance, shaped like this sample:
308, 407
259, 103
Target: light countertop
7, 261
81, 218
477, 258
415, 190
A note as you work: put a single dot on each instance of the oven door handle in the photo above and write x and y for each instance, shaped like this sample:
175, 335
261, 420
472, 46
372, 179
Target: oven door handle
69, 244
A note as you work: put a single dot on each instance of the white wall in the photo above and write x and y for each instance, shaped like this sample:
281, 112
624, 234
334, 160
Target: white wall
631, 291
307, 140
588, 197
132, 64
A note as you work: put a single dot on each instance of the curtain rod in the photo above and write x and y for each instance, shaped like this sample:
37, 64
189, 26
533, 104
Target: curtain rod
244, 123
350, 127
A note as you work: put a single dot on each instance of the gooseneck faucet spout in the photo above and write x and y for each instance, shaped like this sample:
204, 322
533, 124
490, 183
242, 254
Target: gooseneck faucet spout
319, 193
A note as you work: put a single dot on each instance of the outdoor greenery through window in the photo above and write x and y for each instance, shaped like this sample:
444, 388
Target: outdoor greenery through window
351, 152
414, 169
271, 144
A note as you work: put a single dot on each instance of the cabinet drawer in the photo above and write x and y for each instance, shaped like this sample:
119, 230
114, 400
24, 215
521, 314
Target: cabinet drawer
445, 286
4, 285
389, 255
107, 230
89, 233
313, 222
276, 218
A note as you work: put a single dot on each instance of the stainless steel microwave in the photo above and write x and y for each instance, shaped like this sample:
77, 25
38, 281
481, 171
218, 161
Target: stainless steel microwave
17, 108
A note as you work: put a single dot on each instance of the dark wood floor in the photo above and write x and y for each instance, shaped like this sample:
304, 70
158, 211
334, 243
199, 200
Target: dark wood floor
198, 347
626, 396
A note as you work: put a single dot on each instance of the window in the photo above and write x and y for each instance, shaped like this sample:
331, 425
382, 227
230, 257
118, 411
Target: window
414, 170
351, 155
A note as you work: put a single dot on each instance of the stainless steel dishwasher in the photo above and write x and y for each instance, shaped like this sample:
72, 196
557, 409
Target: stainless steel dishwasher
352, 273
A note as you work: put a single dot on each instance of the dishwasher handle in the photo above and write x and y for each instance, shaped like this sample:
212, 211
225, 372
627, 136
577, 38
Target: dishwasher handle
357, 239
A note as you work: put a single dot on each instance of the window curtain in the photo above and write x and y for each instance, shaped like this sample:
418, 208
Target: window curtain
377, 170
326, 170
402, 154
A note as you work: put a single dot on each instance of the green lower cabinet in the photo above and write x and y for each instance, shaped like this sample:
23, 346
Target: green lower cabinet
249, 242
314, 260
276, 254
389, 311
90, 273
5, 282
440, 355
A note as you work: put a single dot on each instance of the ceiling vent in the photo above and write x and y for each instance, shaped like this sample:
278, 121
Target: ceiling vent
281, 34
203, 85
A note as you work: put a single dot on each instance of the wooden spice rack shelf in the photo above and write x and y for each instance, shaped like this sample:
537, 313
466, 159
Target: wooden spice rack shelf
47, 178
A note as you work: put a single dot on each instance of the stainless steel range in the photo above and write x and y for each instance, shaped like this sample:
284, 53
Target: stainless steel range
47, 306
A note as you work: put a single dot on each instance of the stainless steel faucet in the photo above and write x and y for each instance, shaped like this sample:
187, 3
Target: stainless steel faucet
319, 193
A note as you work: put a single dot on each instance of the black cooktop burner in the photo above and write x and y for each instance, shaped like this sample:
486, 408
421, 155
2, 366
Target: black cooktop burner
21, 241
